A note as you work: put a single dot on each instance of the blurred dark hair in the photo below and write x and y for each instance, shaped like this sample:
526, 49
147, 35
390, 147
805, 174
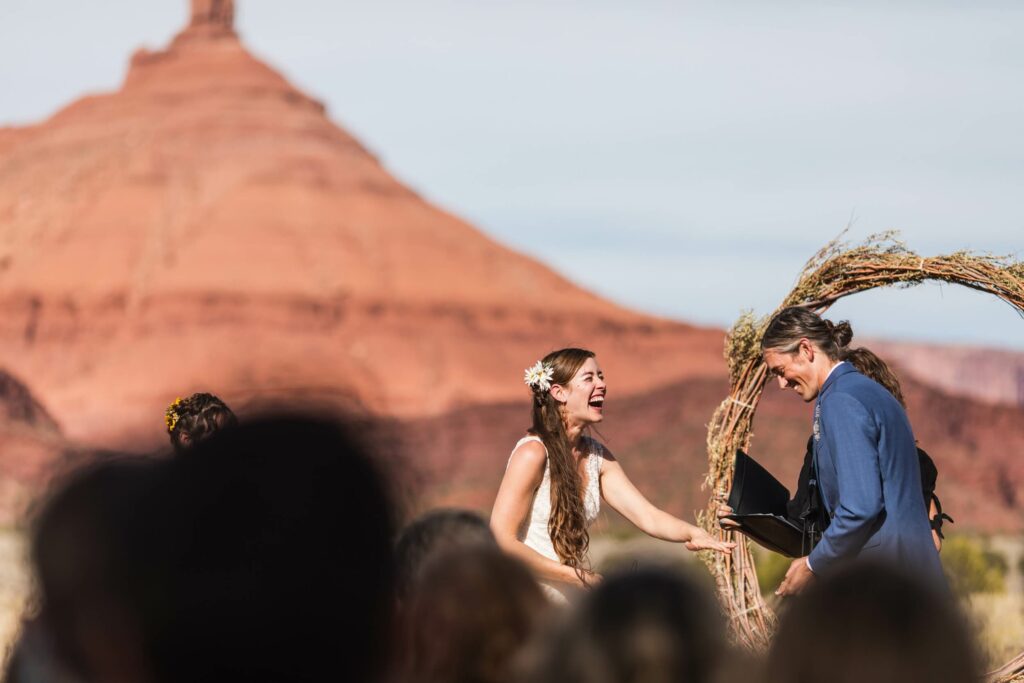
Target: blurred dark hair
279, 546
649, 626
872, 622
473, 611
192, 419
260, 554
433, 533
89, 550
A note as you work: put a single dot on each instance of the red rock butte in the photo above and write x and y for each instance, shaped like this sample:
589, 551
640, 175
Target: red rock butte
208, 227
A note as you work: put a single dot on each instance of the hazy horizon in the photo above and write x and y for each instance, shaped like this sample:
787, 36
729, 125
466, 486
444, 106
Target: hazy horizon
681, 159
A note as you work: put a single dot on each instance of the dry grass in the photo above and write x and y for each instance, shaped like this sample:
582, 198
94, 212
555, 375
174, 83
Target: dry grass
999, 621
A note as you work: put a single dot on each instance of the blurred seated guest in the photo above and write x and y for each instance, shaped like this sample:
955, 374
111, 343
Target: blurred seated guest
265, 555
648, 626
468, 617
90, 559
31, 658
190, 420
872, 622
434, 532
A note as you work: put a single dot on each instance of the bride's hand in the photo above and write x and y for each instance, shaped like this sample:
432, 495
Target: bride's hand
702, 540
592, 579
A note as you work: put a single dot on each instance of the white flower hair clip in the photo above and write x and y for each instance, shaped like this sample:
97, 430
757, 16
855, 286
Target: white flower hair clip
539, 376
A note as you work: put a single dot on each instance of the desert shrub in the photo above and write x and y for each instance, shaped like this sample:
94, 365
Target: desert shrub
971, 568
771, 568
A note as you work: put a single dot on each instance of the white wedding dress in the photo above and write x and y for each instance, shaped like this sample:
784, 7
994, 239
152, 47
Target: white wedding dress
534, 530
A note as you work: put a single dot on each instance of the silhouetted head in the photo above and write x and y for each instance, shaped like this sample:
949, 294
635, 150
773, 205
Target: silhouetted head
278, 558
648, 626
871, 622
261, 554
432, 534
190, 420
473, 611
90, 546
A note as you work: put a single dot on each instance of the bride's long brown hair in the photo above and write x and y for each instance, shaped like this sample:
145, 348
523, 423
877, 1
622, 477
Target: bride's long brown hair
567, 523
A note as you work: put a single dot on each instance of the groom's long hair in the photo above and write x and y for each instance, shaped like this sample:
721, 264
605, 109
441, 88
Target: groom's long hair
567, 523
792, 324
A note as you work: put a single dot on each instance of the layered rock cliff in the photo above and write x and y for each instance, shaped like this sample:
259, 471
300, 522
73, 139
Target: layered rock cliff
208, 227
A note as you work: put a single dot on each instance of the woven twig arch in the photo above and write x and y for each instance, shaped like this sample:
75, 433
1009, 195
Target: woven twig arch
838, 270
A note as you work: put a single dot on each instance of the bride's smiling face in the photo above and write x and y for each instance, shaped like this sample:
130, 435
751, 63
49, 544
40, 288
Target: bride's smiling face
582, 397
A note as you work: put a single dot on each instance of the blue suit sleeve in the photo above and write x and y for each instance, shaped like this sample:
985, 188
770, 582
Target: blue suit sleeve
851, 435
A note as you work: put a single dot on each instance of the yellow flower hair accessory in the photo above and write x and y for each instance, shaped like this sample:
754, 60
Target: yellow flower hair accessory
171, 415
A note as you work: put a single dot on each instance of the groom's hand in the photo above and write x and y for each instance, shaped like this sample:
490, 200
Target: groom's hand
797, 578
727, 524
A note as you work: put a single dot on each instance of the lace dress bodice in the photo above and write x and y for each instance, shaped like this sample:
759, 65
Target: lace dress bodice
534, 530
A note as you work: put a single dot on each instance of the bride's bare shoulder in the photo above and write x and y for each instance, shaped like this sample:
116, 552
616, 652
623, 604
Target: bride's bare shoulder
527, 463
529, 452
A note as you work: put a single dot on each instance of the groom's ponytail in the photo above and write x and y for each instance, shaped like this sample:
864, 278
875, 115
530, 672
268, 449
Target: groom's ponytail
792, 324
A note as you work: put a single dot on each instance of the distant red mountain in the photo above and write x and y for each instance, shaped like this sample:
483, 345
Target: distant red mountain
986, 374
208, 227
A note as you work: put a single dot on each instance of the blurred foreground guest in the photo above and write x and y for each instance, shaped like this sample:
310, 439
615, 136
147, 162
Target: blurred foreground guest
469, 616
870, 622
190, 420
649, 626
433, 533
32, 659
265, 556
90, 556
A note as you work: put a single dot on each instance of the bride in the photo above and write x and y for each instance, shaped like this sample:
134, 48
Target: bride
557, 475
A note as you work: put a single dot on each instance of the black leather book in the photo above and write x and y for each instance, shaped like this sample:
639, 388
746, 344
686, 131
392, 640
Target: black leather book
759, 502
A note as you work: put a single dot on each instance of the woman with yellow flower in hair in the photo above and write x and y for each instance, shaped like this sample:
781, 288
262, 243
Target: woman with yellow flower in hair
558, 474
190, 420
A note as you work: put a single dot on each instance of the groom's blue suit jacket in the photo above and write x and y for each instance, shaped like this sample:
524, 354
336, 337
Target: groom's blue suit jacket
870, 479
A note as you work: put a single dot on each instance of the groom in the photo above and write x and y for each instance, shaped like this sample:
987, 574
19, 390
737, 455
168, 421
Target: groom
865, 457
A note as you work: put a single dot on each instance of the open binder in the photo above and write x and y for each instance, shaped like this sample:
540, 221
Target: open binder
759, 502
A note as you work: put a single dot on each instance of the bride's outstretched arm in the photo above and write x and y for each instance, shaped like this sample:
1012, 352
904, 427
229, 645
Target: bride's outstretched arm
515, 496
624, 497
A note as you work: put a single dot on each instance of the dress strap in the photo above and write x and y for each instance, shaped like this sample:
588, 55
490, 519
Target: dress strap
595, 453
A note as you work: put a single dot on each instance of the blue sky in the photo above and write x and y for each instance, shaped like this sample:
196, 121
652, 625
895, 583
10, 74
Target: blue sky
681, 158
